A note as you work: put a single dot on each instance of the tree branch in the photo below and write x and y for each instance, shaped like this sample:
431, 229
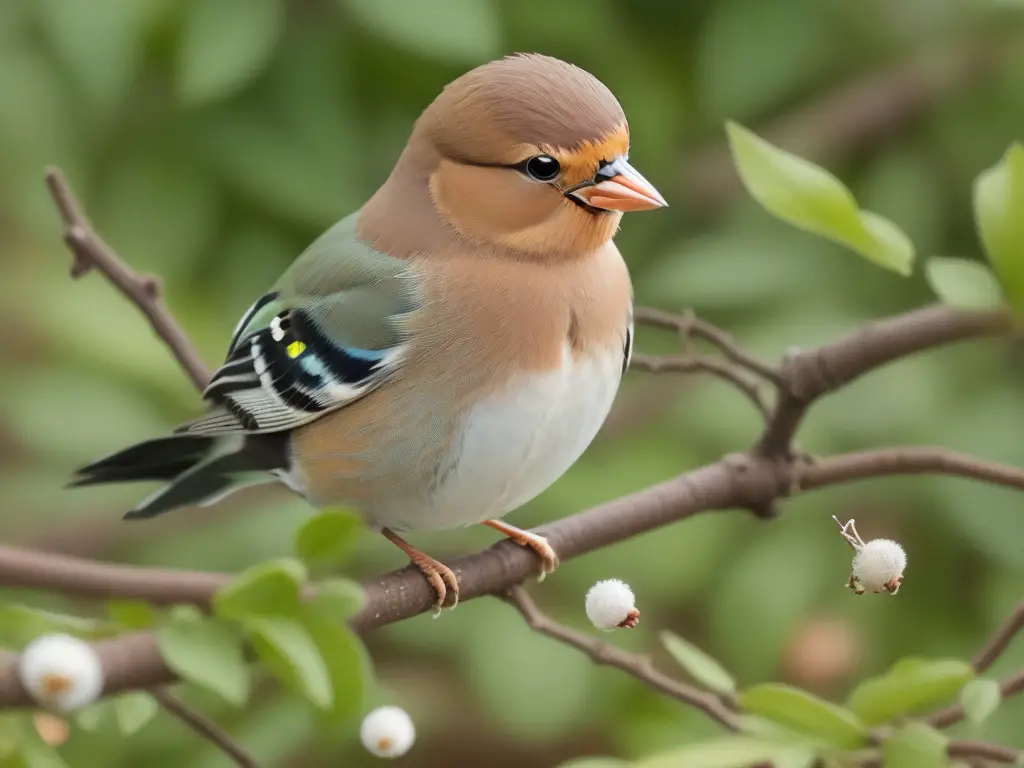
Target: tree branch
633, 664
204, 727
144, 291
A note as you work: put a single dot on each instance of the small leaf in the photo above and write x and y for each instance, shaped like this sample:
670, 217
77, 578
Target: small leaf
964, 284
270, 588
806, 714
980, 698
21, 624
224, 45
327, 539
347, 662
94, 716
456, 30
37, 754
209, 653
998, 201
289, 651
701, 667
337, 599
134, 710
910, 686
731, 752
916, 745
812, 199
133, 614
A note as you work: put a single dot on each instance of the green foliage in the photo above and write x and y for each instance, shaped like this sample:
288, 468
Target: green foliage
134, 711
465, 31
287, 648
224, 45
327, 539
980, 699
20, 624
915, 745
132, 614
270, 588
963, 284
912, 685
701, 667
806, 714
732, 752
998, 201
337, 599
207, 652
809, 197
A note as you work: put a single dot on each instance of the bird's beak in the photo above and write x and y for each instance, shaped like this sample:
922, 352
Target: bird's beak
618, 186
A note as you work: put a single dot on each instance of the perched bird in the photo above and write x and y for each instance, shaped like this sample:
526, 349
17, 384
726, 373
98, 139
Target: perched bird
444, 354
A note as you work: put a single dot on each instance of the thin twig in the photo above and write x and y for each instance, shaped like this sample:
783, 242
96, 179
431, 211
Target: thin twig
951, 715
204, 727
144, 291
995, 647
633, 664
686, 364
983, 749
691, 326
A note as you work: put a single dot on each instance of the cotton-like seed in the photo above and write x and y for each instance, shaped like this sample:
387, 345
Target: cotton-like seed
878, 566
61, 672
611, 604
388, 732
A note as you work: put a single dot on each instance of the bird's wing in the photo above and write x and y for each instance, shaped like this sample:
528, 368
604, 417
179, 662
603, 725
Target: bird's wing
331, 330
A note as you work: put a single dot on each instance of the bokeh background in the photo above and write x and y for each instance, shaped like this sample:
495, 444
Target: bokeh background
212, 140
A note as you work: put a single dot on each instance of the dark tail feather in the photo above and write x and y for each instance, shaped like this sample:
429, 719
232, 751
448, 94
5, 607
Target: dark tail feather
161, 459
199, 470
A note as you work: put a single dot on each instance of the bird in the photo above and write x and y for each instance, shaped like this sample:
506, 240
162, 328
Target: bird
442, 355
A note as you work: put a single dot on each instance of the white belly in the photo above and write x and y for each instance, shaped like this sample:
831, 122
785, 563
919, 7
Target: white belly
516, 443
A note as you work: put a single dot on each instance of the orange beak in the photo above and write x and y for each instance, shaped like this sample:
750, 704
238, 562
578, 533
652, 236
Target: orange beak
618, 187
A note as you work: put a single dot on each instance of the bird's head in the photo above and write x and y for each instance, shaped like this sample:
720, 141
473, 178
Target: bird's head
532, 154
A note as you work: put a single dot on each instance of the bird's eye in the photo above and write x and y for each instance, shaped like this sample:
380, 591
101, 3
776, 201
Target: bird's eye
543, 167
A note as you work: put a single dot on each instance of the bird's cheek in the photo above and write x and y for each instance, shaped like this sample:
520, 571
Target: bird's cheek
490, 201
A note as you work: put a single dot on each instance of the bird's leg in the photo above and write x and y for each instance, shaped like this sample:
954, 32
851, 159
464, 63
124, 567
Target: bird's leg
547, 554
440, 576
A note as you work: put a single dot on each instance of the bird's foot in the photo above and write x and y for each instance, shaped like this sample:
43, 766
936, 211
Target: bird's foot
536, 542
441, 577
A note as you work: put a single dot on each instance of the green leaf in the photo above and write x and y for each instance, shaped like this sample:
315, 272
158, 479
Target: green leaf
964, 284
812, 199
327, 539
287, 648
11, 733
21, 624
134, 710
209, 653
801, 712
133, 614
268, 588
980, 698
337, 599
731, 752
998, 201
915, 746
224, 45
93, 717
347, 662
463, 31
37, 754
910, 686
701, 667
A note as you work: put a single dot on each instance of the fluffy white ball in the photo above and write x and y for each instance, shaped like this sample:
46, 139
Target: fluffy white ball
388, 732
61, 672
610, 604
877, 563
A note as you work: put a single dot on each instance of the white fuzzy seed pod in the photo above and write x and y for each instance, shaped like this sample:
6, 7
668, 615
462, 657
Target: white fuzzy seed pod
61, 672
388, 732
610, 604
879, 563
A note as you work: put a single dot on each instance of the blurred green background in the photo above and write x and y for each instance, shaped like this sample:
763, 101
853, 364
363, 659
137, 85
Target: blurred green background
211, 140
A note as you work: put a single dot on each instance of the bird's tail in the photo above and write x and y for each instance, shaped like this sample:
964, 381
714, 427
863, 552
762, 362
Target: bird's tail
198, 469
